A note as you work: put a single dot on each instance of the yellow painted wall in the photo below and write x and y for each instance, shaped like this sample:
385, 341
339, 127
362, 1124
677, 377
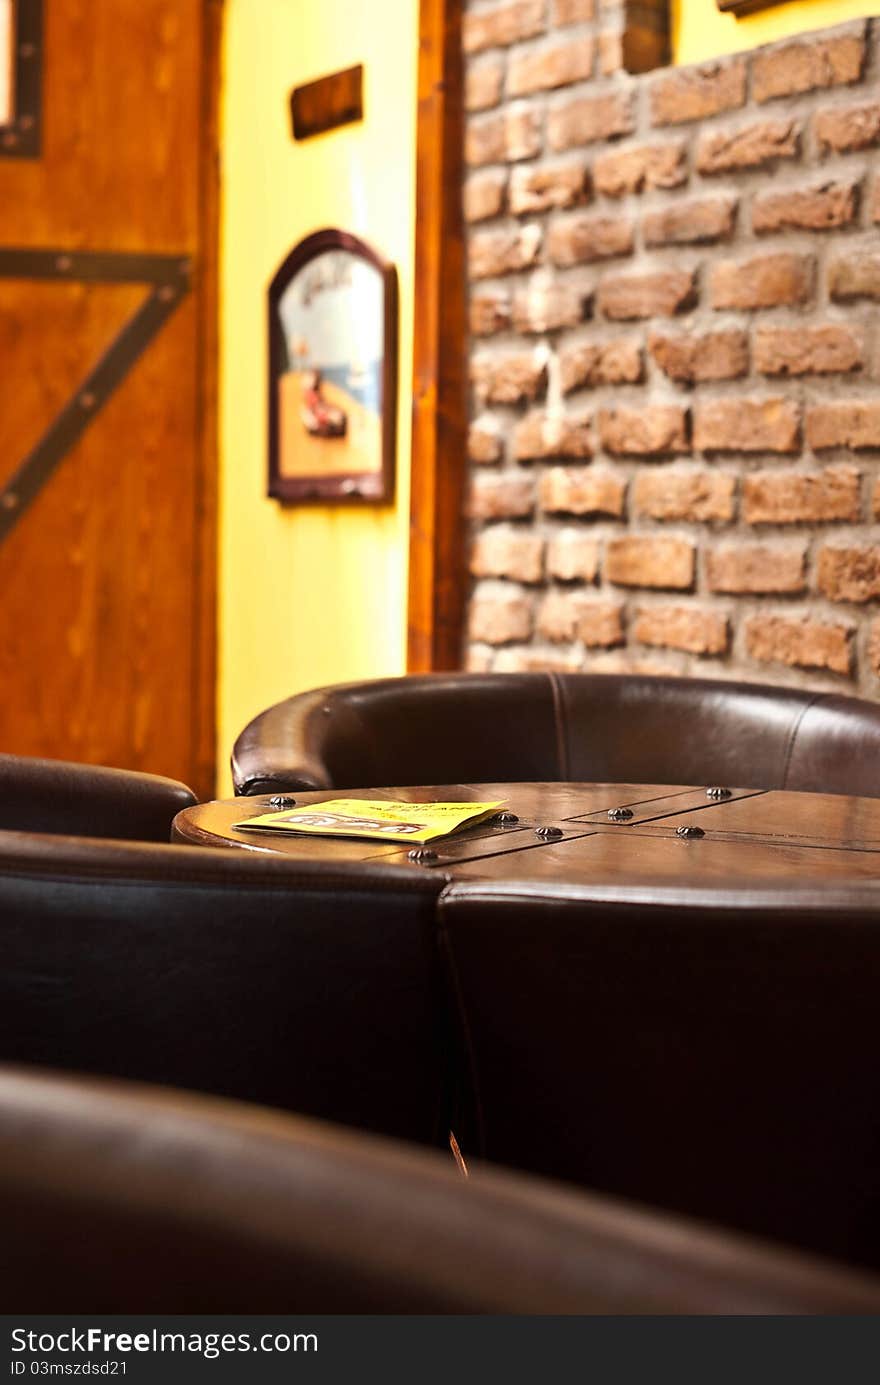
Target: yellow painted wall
700, 31
307, 595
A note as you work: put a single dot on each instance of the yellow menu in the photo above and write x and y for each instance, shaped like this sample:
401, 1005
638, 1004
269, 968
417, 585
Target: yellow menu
375, 819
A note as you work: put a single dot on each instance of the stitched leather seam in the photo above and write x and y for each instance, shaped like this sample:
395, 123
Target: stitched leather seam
560, 726
792, 735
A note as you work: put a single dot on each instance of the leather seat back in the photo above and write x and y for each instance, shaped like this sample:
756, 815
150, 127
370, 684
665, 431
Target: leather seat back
88, 800
119, 1200
714, 1053
251, 976
491, 728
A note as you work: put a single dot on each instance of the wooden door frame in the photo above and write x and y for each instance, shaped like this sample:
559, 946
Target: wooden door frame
437, 574
207, 278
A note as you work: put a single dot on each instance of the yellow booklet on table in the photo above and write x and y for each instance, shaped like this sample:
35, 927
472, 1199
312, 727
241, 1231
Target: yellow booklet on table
376, 819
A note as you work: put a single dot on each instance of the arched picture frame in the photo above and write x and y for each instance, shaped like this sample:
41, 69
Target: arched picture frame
332, 372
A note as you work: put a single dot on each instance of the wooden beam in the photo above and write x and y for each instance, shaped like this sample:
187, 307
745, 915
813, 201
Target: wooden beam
437, 577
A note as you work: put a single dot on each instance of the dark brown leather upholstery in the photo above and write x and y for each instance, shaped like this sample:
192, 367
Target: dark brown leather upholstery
483, 728
88, 800
120, 1200
720, 1060
237, 973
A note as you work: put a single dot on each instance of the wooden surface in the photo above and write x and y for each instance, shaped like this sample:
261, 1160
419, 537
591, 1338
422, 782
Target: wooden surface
437, 569
753, 835
106, 623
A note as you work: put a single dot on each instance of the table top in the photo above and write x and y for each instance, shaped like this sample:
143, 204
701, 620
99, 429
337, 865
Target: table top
605, 832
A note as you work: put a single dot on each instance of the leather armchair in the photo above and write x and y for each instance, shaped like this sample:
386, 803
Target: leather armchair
119, 1199
472, 728
239, 973
717, 1059
87, 800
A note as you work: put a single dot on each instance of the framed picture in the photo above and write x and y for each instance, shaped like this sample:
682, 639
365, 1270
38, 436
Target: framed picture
332, 372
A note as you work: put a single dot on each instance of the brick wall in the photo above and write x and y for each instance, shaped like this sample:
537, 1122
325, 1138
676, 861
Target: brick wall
674, 358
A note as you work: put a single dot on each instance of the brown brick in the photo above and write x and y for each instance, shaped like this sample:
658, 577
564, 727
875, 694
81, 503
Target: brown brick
851, 423
624, 297
484, 195
583, 239
530, 659
482, 87
756, 568
478, 659
509, 135
698, 631
572, 11
697, 92
503, 25
601, 363
545, 188
588, 119
854, 275
499, 619
489, 313
844, 128
601, 624
501, 497
650, 430
709, 356
697, 222
620, 171
565, 616
875, 500
509, 379
582, 491
766, 281
850, 574
874, 646
636, 560
503, 252
802, 350
800, 642
502, 552
556, 65
749, 146
772, 497
689, 495
875, 201
818, 208
540, 436
545, 306
573, 556
808, 65
484, 442
746, 425
611, 57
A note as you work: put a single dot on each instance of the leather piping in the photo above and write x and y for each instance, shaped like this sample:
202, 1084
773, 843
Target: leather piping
792, 735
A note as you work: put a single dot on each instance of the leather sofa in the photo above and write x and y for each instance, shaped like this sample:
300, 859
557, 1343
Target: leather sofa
716, 1060
237, 973
88, 800
473, 728
116, 1198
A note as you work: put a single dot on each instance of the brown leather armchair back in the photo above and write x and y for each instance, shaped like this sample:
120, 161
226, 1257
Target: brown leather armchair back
718, 1060
231, 972
88, 800
460, 728
115, 1199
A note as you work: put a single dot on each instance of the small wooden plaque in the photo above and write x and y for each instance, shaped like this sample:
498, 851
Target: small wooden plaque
739, 8
328, 102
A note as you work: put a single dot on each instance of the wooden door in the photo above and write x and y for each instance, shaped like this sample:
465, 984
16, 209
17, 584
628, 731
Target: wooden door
107, 313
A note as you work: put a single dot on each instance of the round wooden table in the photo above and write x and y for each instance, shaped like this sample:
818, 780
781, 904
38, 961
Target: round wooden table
592, 832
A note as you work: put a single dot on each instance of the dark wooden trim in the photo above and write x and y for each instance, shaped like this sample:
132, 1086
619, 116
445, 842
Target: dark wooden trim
743, 7
378, 486
204, 691
22, 137
316, 107
437, 578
